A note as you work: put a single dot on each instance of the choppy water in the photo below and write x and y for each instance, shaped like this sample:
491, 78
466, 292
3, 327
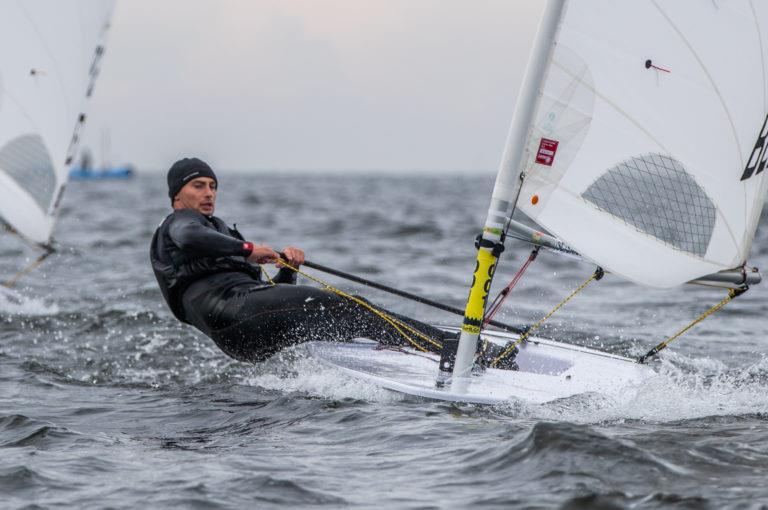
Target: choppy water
106, 401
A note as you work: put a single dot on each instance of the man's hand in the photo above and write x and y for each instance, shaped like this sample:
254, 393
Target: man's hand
294, 256
263, 255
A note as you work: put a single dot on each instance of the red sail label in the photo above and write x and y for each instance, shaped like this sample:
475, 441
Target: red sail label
547, 151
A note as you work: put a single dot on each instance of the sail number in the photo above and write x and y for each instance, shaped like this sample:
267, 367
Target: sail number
759, 156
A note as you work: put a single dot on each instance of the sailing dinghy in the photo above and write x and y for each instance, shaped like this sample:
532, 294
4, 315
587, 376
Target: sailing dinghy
50, 52
638, 144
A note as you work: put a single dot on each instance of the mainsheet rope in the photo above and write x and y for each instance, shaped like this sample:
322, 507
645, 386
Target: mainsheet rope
399, 325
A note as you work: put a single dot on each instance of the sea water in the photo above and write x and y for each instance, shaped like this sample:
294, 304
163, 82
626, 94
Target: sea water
107, 401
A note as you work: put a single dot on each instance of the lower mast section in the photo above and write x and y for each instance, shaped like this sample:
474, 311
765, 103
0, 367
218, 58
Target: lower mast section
458, 356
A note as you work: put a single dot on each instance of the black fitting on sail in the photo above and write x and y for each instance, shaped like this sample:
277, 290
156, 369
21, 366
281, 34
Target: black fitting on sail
599, 273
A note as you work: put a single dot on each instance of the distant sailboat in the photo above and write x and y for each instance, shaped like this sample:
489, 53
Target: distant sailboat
106, 171
50, 53
639, 142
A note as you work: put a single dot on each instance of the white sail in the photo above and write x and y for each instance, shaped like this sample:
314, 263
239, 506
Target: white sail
648, 145
49, 59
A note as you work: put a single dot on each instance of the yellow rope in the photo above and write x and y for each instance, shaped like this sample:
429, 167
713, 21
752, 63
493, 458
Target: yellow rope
595, 276
395, 323
732, 293
264, 272
12, 281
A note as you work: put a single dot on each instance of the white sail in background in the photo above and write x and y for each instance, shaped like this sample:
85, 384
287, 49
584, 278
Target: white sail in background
49, 59
648, 145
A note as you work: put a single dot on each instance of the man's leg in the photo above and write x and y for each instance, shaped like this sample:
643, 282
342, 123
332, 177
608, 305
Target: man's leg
256, 323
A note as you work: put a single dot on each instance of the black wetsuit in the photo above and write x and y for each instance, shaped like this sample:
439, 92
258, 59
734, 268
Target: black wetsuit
201, 267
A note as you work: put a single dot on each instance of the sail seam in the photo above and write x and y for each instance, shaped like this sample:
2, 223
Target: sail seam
709, 77
49, 53
762, 55
615, 107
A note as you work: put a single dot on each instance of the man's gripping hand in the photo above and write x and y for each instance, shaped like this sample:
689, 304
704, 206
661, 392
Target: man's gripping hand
263, 255
293, 256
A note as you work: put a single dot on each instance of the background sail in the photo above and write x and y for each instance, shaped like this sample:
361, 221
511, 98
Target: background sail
49, 58
648, 146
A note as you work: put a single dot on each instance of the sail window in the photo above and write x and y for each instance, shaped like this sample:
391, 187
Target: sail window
27, 161
654, 194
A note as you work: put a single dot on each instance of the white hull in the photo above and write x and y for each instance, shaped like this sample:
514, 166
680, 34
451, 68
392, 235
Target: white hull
549, 371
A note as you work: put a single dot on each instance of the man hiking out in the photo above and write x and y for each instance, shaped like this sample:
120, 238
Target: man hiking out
210, 278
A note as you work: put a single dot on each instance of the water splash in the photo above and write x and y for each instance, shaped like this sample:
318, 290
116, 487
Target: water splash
13, 302
293, 371
684, 388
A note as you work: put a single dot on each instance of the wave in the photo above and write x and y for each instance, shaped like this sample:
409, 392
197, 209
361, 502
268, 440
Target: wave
18, 430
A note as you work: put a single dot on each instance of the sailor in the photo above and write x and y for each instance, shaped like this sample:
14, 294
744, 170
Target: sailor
210, 277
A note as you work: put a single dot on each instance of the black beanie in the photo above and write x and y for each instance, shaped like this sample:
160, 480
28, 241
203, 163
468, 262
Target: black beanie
183, 171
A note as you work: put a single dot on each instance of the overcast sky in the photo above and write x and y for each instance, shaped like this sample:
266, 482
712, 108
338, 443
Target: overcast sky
356, 85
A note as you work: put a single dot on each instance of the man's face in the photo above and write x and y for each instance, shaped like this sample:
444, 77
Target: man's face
198, 194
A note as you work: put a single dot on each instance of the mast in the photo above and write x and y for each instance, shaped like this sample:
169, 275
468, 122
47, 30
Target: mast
490, 243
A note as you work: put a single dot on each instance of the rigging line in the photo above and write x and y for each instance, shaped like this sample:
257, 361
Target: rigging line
15, 278
708, 75
597, 275
502, 296
732, 293
398, 325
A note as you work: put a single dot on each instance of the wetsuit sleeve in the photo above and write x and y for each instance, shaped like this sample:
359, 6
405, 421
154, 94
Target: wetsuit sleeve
189, 232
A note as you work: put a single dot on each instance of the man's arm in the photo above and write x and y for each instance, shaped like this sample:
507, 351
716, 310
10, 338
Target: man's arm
188, 231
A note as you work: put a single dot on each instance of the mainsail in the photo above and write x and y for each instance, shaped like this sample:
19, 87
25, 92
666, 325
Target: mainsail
648, 146
49, 58
639, 139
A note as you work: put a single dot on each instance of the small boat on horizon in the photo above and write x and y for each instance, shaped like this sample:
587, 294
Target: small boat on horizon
95, 174
85, 172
